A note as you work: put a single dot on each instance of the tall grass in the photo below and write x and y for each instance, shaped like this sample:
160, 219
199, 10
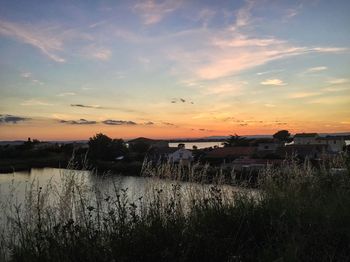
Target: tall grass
298, 214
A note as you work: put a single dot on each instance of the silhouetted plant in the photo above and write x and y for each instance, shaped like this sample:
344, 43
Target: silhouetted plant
236, 140
283, 136
105, 148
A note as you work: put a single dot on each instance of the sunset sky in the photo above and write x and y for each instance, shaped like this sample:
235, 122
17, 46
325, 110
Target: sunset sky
167, 69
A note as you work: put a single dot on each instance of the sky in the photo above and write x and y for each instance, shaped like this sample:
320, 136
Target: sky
171, 69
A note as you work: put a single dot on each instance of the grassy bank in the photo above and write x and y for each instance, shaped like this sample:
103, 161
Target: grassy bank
10, 165
299, 214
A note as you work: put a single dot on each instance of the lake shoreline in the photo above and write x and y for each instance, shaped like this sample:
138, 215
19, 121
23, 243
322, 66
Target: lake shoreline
15, 165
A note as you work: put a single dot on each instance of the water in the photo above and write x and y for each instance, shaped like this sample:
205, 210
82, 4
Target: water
200, 145
17, 183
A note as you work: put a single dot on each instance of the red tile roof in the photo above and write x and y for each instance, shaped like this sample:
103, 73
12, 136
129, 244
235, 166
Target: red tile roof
236, 151
306, 135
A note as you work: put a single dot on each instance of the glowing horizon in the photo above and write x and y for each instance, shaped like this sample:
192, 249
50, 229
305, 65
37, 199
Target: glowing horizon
173, 69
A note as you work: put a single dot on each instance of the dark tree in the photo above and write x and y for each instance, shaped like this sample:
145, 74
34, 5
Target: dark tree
105, 148
283, 136
119, 147
140, 147
236, 140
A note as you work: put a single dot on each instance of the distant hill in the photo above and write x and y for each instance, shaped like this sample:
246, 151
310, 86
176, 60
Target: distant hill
175, 140
13, 143
19, 142
335, 134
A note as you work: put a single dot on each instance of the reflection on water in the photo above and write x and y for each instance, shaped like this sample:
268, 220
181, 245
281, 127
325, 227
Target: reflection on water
199, 145
17, 183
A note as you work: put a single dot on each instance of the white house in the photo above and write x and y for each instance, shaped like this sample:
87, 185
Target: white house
335, 144
181, 156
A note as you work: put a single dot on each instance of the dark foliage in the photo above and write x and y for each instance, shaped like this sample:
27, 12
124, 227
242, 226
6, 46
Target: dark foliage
236, 140
283, 136
102, 147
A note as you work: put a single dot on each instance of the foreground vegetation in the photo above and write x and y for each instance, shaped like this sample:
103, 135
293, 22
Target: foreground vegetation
298, 214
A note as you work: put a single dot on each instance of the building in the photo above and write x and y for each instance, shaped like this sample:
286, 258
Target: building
150, 142
305, 139
313, 151
181, 156
268, 148
230, 153
335, 144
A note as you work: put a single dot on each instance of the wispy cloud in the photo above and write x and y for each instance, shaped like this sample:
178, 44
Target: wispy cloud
67, 94
29, 76
273, 82
35, 102
244, 41
168, 124
269, 105
223, 89
26, 74
97, 24
223, 62
292, 12
303, 94
119, 122
143, 60
153, 12
36, 81
336, 88
205, 15
181, 100
205, 130
81, 121
316, 69
270, 72
228, 51
243, 16
337, 81
11, 119
47, 41
334, 100
99, 53
102, 54
120, 75
87, 106
121, 109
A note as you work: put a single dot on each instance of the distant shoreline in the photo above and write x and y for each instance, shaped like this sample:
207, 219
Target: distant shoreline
174, 140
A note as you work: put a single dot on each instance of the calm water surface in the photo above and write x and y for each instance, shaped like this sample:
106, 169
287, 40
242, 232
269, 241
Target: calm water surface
199, 145
17, 183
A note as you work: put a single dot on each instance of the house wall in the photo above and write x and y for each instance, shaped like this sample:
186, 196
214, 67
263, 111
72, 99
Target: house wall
336, 145
268, 146
305, 140
181, 155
